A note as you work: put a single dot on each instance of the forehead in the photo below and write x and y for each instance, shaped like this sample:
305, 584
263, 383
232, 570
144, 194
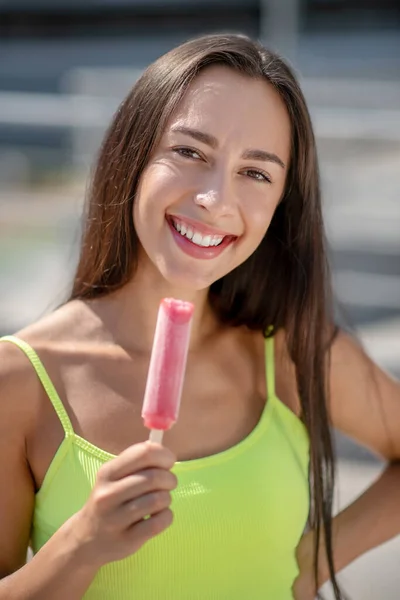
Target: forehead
235, 107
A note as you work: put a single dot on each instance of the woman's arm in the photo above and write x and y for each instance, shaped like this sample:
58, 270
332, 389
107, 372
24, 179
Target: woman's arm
365, 405
373, 519
56, 571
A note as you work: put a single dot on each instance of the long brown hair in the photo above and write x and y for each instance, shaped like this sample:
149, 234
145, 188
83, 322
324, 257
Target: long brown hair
284, 283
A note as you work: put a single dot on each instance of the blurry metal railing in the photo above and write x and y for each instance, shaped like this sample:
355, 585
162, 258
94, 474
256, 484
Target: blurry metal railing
53, 110
340, 109
80, 110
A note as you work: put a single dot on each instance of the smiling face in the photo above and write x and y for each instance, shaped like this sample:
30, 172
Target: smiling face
208, 194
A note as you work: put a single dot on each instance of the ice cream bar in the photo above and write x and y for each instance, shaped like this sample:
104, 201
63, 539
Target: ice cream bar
167, 366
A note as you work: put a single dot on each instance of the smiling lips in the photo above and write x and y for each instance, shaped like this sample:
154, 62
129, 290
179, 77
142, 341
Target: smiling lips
197, 240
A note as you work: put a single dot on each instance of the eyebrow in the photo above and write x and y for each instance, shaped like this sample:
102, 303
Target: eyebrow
210, 140
263, 155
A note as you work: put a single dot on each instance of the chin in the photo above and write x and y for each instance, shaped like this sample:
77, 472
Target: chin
186, 280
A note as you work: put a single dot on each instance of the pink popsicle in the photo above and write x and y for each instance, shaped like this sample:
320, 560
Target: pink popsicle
167, 365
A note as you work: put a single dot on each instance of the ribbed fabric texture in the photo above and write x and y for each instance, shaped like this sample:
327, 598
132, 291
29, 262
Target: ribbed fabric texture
238, 514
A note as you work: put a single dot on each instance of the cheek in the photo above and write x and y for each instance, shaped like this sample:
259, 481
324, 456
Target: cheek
259, 215
155, 181
152, 196
161, 185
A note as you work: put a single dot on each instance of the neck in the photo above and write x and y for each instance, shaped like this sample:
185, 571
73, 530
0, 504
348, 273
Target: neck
130, 314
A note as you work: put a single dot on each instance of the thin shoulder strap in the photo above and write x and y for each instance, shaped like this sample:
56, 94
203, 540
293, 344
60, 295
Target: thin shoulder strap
270, 365
45, 380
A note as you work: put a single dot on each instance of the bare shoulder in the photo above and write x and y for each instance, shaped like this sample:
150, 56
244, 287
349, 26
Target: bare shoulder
364, 398
20, 388
69, 322
19, 392
17, 383
62, 333
346, 346
344, 351
16, 481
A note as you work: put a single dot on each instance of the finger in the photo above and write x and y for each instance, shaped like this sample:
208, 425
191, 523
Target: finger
143, 531
141, 483
135, 510
136, 458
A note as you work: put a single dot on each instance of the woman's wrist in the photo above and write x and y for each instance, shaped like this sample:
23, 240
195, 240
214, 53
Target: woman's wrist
79, 550
305, 560
58, 570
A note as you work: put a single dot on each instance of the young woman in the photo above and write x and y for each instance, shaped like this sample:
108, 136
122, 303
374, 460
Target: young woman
206, 189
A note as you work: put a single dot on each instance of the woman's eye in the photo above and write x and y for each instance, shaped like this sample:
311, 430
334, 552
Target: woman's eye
187, 152
257, 175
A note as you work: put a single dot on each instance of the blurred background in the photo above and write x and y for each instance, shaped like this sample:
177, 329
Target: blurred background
64, 67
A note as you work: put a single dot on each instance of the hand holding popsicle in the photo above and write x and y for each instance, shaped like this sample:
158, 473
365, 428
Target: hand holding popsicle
167, 366
129, 505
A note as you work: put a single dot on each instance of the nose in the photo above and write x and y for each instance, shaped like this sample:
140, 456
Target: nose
217, 199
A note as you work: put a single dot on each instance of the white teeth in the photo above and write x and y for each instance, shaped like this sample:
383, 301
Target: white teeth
216, 240
200, 240
206, 241
197, 239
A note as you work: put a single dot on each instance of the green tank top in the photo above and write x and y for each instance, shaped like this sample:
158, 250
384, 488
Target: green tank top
238, 514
